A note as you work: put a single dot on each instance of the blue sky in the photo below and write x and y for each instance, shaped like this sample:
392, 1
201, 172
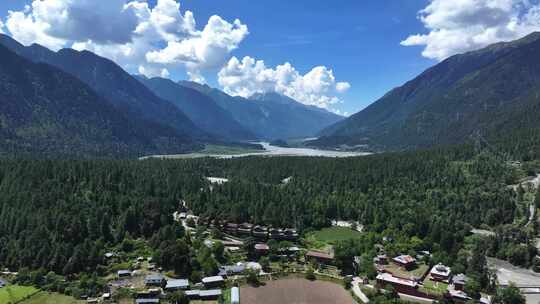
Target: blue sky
361, 41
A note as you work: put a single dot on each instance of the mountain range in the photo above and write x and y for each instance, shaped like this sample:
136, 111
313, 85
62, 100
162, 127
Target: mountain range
271, 116
179, 116
489, 93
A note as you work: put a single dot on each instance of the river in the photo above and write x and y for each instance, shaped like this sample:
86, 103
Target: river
269, 150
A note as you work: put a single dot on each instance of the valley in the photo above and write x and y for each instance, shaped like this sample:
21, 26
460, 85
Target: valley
145, 158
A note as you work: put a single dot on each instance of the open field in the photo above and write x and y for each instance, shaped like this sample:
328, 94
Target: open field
295, 291
400, 272
334, 234
15, 293
51, 298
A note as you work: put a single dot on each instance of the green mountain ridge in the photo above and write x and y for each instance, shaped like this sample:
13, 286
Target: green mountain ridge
492, 93
45, 111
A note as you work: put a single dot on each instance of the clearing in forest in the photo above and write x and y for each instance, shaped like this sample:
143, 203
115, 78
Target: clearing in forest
334, 234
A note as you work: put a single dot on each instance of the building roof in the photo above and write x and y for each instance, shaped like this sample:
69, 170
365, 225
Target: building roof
210, 293
192, 292
124, 272
181, 283
238, 268
141, 301
405, 259
440, 270
262, 247
212, 279
386, 277
320, 255
459, 294
235, 295
154, 277
459, 279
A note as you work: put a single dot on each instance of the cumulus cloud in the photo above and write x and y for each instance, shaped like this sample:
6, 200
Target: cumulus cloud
318, 87
139, 37
458, 26
1, 27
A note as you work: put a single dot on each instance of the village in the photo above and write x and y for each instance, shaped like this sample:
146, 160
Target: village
249, 246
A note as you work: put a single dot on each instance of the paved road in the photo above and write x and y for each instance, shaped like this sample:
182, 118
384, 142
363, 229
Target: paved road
357, 291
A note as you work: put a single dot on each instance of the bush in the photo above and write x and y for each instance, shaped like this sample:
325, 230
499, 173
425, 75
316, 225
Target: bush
347, 282
310, 275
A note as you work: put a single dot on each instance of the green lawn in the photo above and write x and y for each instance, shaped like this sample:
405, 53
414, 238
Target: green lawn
15, 293
51, 298
433, 287
333, 234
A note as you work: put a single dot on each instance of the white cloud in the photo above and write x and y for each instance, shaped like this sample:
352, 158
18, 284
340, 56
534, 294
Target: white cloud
133, 34
318, 87
458, 26
1, 27
206, 49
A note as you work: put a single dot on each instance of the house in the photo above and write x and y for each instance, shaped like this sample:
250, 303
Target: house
109, 255
459, 296
212, 294
405, 261
106, 296
380, 259
215, 281
154, 280
124, 273
231, 228
92, 300
277, 234
290, 234
260, 232
235, 295
245, 229
319, 257
261, 249
400, 285
192, 294
173, 285
440, 273
459, 281
229, 270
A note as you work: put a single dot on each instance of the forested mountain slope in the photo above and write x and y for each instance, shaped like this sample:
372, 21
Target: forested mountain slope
271, 116
200, 108
45, 111
492, 92
111, 82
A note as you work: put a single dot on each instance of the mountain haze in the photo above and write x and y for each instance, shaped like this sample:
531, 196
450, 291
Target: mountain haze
271, 116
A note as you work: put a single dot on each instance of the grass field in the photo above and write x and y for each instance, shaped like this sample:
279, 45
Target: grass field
417, 272
51, 298
433, 287
334, 234
15, 293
